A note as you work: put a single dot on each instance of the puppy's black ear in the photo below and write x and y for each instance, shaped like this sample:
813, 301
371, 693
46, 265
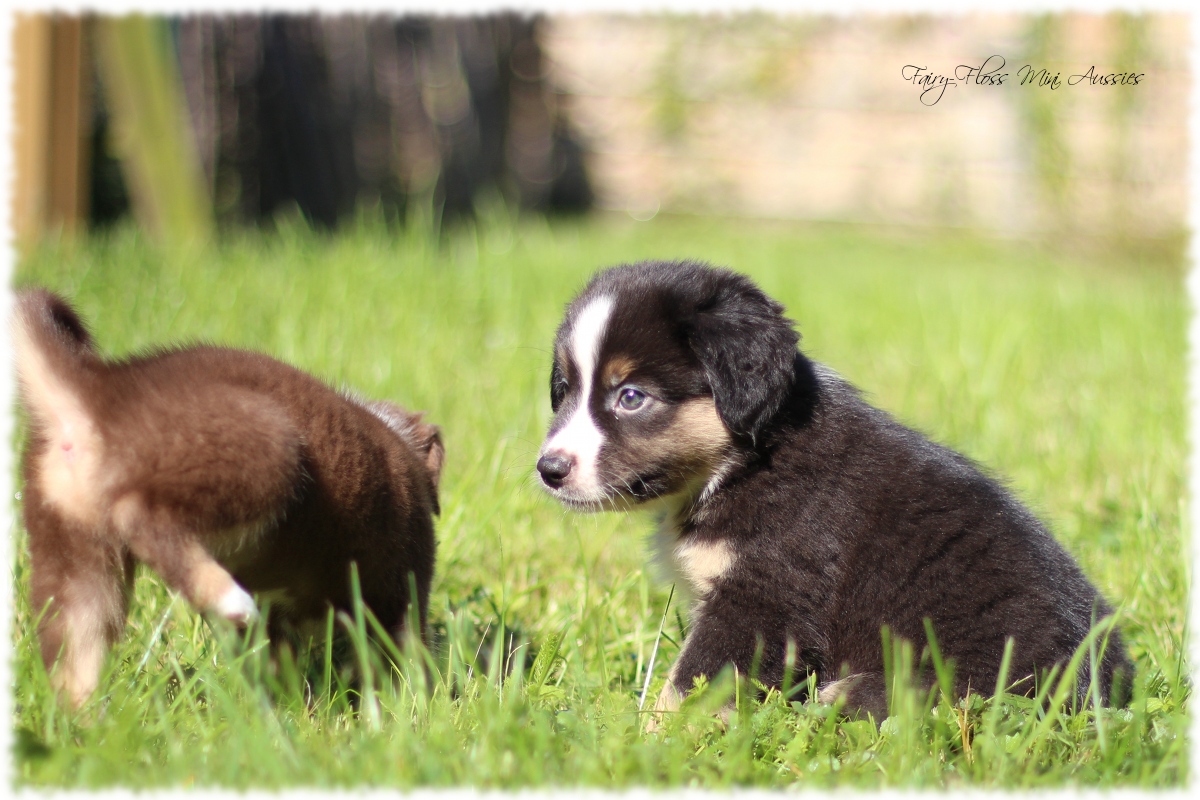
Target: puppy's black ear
748, 351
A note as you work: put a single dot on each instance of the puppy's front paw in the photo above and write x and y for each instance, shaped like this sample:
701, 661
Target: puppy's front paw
669, 701
237, 606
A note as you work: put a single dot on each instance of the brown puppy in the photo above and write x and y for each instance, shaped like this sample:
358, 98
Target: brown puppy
224, 471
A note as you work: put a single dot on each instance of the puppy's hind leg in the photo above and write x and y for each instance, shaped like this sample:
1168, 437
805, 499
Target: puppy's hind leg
80, 590
864, 693
159, 540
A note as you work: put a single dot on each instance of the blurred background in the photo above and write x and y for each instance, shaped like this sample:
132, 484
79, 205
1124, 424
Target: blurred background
198, 123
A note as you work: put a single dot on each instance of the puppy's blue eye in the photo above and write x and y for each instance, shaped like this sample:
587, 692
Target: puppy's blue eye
631, 399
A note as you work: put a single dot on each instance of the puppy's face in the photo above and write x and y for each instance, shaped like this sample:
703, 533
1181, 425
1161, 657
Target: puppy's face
636, 384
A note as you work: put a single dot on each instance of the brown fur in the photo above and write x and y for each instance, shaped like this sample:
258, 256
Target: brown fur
697, 439
693, 443
218, 468
616, 370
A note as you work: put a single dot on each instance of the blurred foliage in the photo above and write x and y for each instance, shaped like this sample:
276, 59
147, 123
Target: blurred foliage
150, 132
322, 115
1040, 112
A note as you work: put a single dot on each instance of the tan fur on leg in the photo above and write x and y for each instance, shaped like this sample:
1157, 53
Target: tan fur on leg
182, 562
831, 691
85, 612
84, 644
668, 701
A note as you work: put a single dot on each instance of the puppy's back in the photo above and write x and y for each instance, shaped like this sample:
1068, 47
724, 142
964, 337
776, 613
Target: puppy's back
147, 432
291, 480
936, 537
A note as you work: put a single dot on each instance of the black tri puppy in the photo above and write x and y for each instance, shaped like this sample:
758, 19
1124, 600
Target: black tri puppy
799, 517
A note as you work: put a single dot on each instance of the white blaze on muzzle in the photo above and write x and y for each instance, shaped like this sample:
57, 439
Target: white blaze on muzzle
580, 439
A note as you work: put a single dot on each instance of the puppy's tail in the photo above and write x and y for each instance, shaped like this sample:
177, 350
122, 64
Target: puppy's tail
57, 362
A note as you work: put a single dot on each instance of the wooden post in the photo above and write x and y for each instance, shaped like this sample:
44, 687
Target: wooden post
70, 125
53, 125
31, 58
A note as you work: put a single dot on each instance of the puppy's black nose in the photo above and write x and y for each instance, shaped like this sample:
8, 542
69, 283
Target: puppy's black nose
554, 469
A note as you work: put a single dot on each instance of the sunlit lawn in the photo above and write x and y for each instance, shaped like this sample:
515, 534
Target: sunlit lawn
1064, 377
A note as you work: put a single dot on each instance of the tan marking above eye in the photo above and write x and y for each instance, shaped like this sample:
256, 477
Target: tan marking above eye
616, 370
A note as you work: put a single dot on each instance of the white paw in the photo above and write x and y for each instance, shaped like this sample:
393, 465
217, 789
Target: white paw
237, 606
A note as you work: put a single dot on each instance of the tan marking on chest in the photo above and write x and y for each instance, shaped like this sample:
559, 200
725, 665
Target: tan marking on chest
701, 564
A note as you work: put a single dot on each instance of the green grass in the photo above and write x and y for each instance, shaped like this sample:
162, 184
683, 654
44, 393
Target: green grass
1064, 377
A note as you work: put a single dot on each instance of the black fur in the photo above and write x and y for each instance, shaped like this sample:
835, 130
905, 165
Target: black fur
746, 348
840, 519
63, 321
557, 387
